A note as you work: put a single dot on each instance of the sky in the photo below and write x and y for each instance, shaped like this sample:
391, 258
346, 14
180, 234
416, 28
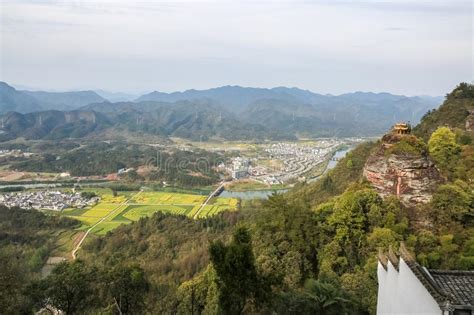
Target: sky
329, 46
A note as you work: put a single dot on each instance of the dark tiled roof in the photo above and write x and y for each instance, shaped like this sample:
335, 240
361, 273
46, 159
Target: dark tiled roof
458, 284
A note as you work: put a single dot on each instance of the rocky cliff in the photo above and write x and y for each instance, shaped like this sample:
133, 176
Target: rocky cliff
401, 167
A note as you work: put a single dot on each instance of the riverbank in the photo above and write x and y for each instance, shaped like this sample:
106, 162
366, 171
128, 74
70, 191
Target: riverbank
265, 193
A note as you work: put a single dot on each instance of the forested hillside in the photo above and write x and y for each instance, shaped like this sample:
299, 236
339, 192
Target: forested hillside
23, 102
13, 100
453, 112
314, 249
310, 251
27, 238
52, 125
65, 100
176, 167
229, 113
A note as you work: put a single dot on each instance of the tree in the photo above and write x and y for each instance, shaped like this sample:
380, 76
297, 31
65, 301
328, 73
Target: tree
88, 194
237, 277
361, 285
444, 150
453, 202
350, 221
69, 288
382, 238
328, 298
13, 276
199, 295
126, 288
328, 184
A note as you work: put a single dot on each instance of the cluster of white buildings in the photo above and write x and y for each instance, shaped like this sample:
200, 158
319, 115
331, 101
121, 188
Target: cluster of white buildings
14, 153
46, 200
297, 159
239, 167
293, 160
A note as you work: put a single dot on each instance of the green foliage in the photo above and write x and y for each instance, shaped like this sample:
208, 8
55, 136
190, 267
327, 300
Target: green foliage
453, 112
123, 187
13, 277
237, 277
70, 288
170, 249
20, 224
126, 288
200, 294
466, 258
444, 150
312, 251
408, 145
453, 203
361, 286
27, 238
11, 189
88, 194
465, 167
31, 233
463, 90
382, 238
336, 240
77, 288
178, 167
327, 298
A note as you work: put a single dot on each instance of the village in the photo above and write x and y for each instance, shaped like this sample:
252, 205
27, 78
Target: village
293, 161
46, 200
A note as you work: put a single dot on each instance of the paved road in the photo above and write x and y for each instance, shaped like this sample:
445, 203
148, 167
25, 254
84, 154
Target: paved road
113, 212
207, 200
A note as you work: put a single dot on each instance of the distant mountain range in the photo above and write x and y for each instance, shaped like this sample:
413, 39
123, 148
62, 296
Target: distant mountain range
34, 101
229, 112
116, 96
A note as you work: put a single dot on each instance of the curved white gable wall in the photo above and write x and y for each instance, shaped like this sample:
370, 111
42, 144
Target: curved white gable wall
401, 293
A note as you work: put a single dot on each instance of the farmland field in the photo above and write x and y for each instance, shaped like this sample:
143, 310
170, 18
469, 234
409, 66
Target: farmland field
127, 207
155, 198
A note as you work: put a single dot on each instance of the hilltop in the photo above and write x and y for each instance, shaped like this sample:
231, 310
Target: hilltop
224, 113
13, 100
455, 112
52, 124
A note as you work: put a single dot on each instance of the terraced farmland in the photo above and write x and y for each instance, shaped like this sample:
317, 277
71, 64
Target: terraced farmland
128, 207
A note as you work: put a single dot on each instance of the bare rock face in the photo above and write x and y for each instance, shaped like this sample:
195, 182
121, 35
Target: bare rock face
410, 177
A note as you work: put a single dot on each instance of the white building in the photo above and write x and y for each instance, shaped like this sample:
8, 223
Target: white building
239, 173
239, 168
407, 288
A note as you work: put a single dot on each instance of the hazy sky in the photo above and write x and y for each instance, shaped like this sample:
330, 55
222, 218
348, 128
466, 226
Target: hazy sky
331, 46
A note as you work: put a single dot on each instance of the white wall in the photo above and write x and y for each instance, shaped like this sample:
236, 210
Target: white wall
400, 292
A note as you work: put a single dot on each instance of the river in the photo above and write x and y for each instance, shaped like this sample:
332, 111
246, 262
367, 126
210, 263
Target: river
250, 194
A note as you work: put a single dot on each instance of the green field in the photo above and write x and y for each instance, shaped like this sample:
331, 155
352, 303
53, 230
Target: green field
127, 207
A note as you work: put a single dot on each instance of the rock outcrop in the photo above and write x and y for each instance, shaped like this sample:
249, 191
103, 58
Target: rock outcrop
409, 176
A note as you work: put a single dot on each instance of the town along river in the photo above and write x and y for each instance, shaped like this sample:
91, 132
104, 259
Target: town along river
264, 194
